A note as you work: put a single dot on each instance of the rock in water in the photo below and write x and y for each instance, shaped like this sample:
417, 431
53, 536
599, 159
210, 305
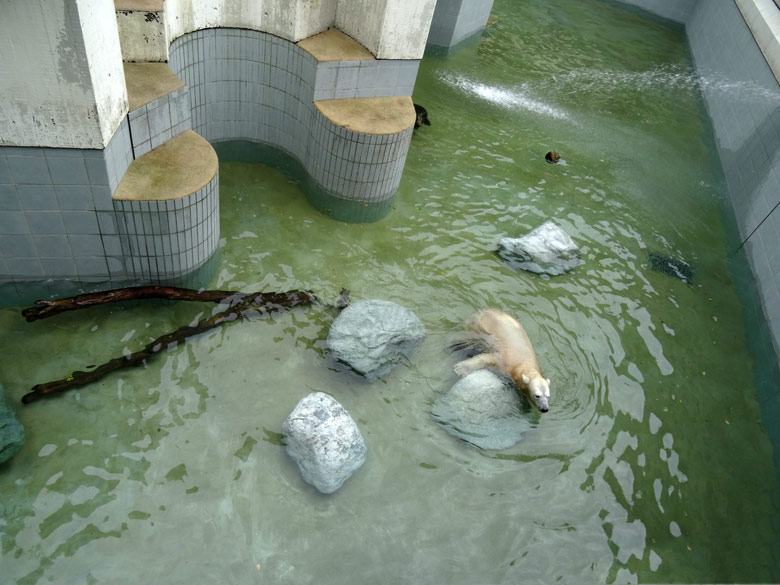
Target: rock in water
483, 410
373, 336
324, 441
545, 250
11, 430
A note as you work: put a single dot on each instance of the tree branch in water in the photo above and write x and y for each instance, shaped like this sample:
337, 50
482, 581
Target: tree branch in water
45, 308
262, 303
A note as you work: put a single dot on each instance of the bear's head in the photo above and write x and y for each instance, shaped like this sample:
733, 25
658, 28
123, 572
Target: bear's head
538, 390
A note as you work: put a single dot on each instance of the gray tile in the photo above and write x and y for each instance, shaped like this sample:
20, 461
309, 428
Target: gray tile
159, 119
80, 222
140, 129
5, 174
326, 77
68, 170
18, 246
407, 73
52, 246
91, 266
101, 198
347, 77
116, 267
112, 245
29, 169
107, 221
9, 200
96, 171
91, 245
38, 197
45, 222
58, 267
13, 223
24, 268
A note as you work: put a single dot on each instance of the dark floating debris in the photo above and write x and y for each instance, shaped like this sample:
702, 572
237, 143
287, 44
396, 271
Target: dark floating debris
422, 116
552, 157
671, 267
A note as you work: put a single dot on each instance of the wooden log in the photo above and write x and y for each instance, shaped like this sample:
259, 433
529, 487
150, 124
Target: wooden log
262, 303
48, 308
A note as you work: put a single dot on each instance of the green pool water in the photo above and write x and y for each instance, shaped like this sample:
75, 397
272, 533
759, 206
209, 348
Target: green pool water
652, 464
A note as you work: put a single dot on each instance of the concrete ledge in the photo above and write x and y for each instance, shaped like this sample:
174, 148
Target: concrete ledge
378, 116
140, 5
763, 18
334, 45
147, 82
180, 167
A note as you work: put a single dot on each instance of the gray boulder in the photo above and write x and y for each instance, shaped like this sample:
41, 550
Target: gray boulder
324, 441
11, 430
373, 336
545, 250
482, 409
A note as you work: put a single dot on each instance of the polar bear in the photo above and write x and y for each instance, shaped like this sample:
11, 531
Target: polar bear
509, 350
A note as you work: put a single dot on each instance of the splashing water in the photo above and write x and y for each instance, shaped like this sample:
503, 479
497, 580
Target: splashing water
510, 98
663, 80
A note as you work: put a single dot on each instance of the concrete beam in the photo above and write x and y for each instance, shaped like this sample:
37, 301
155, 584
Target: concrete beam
390, 29
61, 75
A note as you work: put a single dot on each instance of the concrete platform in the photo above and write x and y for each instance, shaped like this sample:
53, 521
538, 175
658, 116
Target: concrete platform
140, 5
334, 45
147, 82
383, 115
180, 167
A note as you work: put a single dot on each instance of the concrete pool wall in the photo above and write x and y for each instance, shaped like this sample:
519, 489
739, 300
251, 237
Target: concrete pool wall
73, 127
736, 48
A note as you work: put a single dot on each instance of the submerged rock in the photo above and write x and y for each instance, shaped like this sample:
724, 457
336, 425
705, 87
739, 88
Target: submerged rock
373, 336
482, 409
545, 250
324, 441
11, 430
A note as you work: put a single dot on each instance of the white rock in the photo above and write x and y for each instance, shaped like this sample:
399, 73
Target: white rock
373, 336
482, 409
324, 441
545, 250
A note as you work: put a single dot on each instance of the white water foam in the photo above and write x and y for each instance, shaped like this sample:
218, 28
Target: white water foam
509, 98
664, 78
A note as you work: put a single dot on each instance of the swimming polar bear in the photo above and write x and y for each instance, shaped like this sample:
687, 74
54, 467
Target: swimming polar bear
511, 351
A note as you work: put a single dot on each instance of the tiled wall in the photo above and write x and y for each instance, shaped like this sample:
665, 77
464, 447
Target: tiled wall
56, 212
249, 85
361, 79
676, 10
157, 122
163, 240
743, 100
455, 20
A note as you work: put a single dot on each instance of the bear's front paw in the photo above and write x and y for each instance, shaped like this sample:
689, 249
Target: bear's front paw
461, 369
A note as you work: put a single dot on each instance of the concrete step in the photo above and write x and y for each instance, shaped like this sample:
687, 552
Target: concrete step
159, 105
147, 82
382, 115
180, 167
334, 45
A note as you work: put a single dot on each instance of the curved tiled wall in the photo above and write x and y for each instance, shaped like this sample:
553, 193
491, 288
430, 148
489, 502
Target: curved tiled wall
249, 85
168, 239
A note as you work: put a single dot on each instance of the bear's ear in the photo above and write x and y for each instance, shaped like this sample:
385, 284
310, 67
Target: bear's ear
548, 381
525, 379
